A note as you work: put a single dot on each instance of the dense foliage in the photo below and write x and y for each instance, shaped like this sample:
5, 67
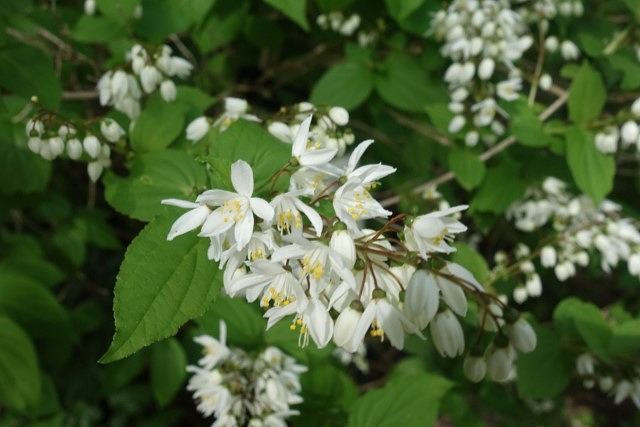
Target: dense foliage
177, 176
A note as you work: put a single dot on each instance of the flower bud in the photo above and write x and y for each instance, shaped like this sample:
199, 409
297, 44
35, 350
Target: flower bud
149, 78
635, 108
90, 7
168, 90
447, 334
119, 84
523, 337
585, 364
630, 132
569, 50
344, 327
197, 129
56, 145
485, 70
34, 143
281, 131
74, 148
94, 169
421, 299
564, 270
545, 82
111, 130
456, 124
474, 368
548, 256
91, 146
339, 115
633, 264
520, 294
342, 243
551, 43
534, 285
499, 364
471, 138
180, 67
34, 128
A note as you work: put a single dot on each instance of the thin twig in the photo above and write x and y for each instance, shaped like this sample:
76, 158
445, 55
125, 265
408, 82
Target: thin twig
79, 95
491, 152
422, 128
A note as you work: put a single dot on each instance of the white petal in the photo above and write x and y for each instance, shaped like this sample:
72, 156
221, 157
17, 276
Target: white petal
216, 197
390, 322
317, 157
357, 154
463, 273
300, 141
188, 221
244, 230
453, 295
261, 208
288, 252
215, 224
319, 323
309, 212
180, 203
362, 327
372, 173
242, 178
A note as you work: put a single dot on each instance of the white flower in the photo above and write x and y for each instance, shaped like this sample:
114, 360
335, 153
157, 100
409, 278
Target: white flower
168, 90
215, 350
635, 108
149, 78
236, 209
522, 336
188, 221
287, 208
551, 43
306, 156
471, 138
447, 334
119, 84
509, 89
282, 131
90, 7
352, 202
433, 231
385, 320
56, 146
534, 285
74, 149
197, 129
500, 364
34, 128
111, 130
422, 298
564, 270
607, 141
585, 364
234, 109
91, 146
545, 82
474, 368
633, 264
312, 317
96, 167
269, 281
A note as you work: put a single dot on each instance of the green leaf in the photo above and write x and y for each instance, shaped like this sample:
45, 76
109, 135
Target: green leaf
245, 324
163, 17
154, 176
625, 340
118, 10
222, 26
160, 286
587, 95
347, 85
545, 372
501, 187
157, 126
95, 29
627, 64
20, 380
592, 171
35, 309
250, 142
527, 128
400, 9
168, 370
404, 84
575, 317
408, 401
634, 7
26, 71
21, 171
294, 9
467, 167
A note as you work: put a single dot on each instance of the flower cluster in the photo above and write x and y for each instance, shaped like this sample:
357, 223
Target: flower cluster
307, 254
582, 228
484, 39
149, 71
241, 389
609, 138
52, 137
619, 386
337, 22
520, 268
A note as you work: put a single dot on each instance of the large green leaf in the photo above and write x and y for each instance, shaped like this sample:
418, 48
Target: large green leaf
160, 286
592, 171
625, 341
404, 84
118, 10
157, 126
467, 167
294, 9
408, 401
501, 187
154, 176
19, 374
574, 317
251, 143
347, 85
546, 371
168, 369
95, 29
27, 71
36, 309
587, 95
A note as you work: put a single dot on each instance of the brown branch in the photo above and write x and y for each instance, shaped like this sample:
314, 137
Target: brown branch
422, 128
